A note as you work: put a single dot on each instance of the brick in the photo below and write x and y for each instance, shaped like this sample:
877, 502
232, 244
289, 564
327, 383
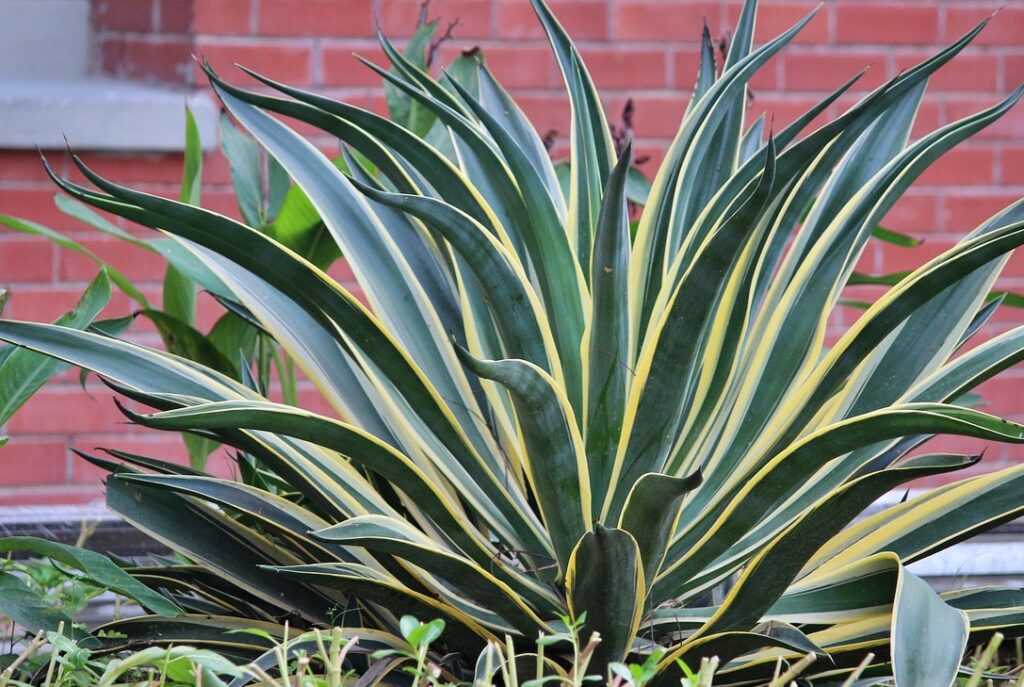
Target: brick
653, 116
222, 17
315, 18
685, 66
1012, 164
887, 23
929, 117
287, 62
546, 112
24, 259
780, 110
1013, 71
137, 264
654, 20
30, 460
45, 304
123, 15
164, 61
400, 18
1004, 28
965, 72
626, 68
36, 204
67, 410
899, 258
963, 212
133, 168
523, 66
962, 166
1008, 127
342, 68
583, 19
26, 165
916, 213
775, 18
823, 72
176, 16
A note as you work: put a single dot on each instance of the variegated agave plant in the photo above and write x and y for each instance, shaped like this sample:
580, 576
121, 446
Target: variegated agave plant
541, 415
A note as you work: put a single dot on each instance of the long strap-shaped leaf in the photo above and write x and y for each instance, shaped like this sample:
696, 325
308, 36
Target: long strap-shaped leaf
607, 340
393, 290
926, 524
331, 307
592, 152
605, 581
650, 257
556, 463
813, 289
737, 510
561, 280
395, 537
669, 362
728, 645
217, 541
273, 512
525, 330
370, 585
768, 575
445, 178
362, 449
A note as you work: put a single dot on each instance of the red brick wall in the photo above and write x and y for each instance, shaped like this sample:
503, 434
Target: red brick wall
640, 49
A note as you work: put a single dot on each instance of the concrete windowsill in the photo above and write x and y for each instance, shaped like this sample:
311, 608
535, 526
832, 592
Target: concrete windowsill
100, 114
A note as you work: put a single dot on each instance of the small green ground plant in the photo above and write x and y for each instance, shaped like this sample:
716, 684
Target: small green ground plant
551, 422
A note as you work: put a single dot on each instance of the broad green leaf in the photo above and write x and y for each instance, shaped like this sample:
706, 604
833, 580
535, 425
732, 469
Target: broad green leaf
608, 340
605, 581
650, 516
95, 567
26, 607
928, 635
556, 464
23, 372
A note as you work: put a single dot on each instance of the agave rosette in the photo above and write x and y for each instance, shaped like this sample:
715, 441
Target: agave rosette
541, 415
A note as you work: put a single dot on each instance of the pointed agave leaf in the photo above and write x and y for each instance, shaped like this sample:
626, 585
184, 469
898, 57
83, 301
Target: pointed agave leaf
928, 523
928, 635
767, 576
363, 449
555, 460
650, 516
592, 151
323, 306
517, 312
729, 645
605, 580
219, 542
740, 508
377, 533
668, 363
391, 287
561, 279
608, 341
463, 632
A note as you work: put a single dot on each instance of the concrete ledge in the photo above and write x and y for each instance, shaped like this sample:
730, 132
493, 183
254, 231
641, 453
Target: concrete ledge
100, 114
